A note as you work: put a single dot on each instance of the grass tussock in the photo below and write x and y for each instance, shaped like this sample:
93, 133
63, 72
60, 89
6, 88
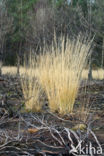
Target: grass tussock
60, 73
30, 86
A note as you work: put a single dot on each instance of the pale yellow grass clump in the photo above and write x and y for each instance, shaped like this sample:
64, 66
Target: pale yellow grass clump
30, 87
60, 73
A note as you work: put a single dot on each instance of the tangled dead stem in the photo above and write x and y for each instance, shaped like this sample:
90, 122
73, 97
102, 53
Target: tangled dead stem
44, 133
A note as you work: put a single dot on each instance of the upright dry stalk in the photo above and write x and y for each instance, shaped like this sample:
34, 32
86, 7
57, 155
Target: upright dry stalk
60, 73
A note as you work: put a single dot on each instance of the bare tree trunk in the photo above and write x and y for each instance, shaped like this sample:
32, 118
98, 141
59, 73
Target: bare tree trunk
102, 61
90, 60
0, 67
1, 55
0, 71
18, 59
90, 70
5, 25
18, 66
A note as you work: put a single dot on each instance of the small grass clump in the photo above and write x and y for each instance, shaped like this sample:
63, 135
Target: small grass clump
30, 86
60, 73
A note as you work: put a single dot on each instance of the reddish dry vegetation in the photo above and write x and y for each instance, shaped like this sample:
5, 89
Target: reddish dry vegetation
26, 133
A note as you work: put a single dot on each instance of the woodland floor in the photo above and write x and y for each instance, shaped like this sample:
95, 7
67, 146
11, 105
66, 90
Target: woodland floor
18, 129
